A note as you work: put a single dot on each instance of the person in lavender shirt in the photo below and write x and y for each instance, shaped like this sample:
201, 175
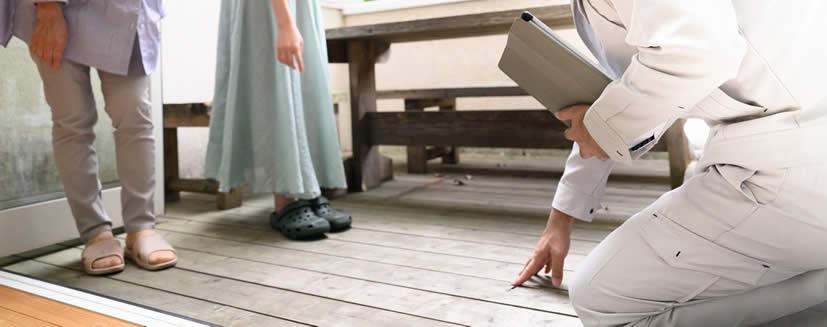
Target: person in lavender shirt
121, 40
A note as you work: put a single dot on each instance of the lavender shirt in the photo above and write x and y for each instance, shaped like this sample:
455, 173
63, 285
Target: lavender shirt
102, 33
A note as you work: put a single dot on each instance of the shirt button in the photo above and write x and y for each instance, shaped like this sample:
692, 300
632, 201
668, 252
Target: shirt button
141, 26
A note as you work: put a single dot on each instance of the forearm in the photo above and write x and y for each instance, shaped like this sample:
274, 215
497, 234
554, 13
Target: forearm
282, 12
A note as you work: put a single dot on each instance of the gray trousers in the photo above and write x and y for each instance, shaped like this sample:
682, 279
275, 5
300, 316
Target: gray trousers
731, 247
69, 94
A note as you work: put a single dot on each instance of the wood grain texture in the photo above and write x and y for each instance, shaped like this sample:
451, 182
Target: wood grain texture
10, 318
414, 279
211, 312
293, 305
54, 312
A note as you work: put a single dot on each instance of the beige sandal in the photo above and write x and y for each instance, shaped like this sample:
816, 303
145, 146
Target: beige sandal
100, 250
149, 244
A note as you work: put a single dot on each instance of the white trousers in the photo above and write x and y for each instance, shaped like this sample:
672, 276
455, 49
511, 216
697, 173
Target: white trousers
731, 247
69, 94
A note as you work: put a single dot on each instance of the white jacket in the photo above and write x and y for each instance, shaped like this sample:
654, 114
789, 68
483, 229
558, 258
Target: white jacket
755, 70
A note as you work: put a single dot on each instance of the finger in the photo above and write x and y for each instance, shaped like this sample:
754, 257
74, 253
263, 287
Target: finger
530, 270
569, 134
557, 262
46, 52
54, 56
527, 263
300, 61
57, 57
565, 114
37, 49
548, 268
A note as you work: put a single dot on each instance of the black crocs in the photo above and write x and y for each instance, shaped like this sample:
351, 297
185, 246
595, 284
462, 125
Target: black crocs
338, 220
299, 221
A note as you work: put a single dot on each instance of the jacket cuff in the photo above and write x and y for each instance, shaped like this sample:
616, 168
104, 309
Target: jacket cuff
610, 141
580, 205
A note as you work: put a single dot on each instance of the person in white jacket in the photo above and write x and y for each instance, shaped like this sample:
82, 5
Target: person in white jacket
744, 241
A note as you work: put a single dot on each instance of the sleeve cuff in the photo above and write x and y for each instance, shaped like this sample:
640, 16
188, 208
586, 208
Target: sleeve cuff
581, 206
606, 137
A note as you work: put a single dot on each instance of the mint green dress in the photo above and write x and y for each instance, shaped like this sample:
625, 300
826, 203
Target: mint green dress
271, 127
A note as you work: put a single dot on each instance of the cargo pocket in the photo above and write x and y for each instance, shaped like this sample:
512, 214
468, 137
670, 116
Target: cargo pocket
681, 248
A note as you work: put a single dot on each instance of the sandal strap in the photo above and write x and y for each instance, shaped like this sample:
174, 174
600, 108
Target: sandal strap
321, 201
293, 207
149, 244
102, 249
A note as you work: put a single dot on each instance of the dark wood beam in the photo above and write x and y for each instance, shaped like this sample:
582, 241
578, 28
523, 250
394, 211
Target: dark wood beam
450, 27
465, 92
186, 115
509, 128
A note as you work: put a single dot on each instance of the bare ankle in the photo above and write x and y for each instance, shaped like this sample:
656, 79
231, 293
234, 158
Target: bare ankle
281, 201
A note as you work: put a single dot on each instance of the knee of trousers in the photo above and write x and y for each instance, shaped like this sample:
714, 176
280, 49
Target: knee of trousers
76, 125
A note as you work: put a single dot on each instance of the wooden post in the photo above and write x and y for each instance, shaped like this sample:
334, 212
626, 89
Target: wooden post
417, 154
362, 55
679, 153
452, 155
171, 163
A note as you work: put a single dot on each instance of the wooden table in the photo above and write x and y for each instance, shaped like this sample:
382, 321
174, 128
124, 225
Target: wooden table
364, 46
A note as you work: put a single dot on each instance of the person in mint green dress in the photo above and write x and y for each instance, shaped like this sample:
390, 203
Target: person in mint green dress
272, 124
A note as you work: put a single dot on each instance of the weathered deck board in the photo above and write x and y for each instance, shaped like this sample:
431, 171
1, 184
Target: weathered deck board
379, 215
296, 306
413, 278
204, 310
421, 253
480, 268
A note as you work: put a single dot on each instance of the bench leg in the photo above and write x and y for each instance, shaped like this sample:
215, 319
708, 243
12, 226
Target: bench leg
225, 201
452, 153
171, 163
679, 153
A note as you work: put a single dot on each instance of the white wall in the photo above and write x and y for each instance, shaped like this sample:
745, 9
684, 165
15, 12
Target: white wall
190, 35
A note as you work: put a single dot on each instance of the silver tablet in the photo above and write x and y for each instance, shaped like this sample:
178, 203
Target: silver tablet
547, 68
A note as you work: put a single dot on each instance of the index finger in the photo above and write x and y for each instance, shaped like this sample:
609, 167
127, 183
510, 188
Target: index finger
529, 271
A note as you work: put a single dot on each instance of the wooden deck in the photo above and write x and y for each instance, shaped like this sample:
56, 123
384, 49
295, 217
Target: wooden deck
424, 251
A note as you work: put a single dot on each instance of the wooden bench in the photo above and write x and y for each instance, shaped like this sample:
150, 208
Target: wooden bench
446, 100
197, 115
189, 115
418, 131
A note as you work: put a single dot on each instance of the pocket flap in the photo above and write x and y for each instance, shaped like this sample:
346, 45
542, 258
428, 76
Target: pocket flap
682, 248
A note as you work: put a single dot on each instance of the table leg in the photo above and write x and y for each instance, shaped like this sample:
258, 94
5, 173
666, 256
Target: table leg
679, 153
365, 169
171, 163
